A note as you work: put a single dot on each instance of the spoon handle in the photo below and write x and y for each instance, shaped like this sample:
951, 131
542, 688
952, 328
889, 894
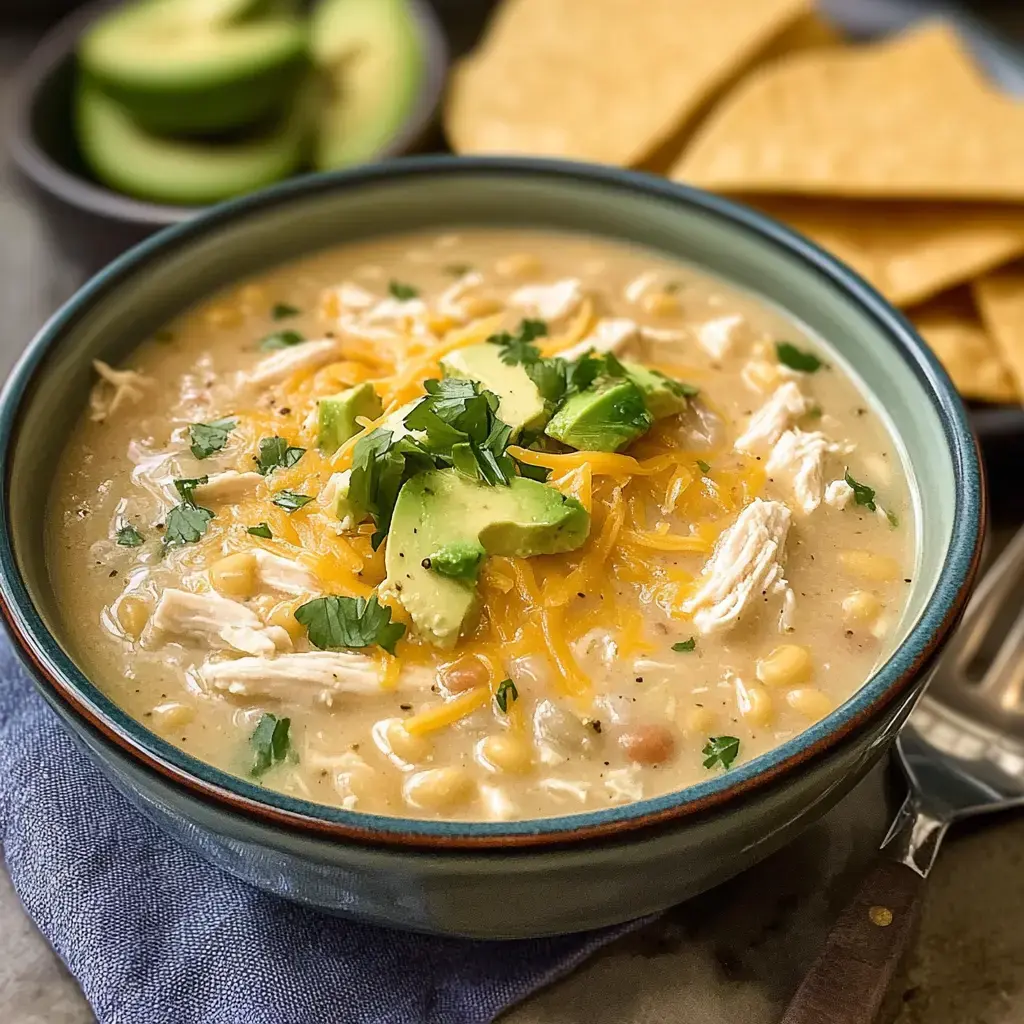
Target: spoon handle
849, 981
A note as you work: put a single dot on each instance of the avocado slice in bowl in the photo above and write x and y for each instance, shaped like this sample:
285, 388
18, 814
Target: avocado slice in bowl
184, 172
371, 66
192, 67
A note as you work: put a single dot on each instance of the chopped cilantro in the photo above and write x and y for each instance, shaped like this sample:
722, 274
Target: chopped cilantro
282, 311
862, 494
129, 537
186, 488
269, 742
704, 467
517, 348
894, 521
720, 750
186, 524
458, 269
685, 645
333, 622
290, 501
796, 358
505, 695
814, 413
211, 437
261, 530
276, 453
403, 292
281, 339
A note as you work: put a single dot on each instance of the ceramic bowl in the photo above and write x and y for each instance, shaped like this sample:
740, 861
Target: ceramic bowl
89, 222
496, 878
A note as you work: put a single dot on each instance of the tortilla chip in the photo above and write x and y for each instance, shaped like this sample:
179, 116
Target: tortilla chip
604, 80
952, 329
1000, 298
908, 251
908, 118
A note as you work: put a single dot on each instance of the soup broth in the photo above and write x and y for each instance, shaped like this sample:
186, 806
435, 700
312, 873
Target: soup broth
490, 525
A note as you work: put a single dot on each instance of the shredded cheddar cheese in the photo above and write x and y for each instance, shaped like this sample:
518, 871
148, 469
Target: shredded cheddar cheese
448, 713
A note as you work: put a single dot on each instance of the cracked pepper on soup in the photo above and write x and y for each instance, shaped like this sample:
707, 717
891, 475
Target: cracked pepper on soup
488, 525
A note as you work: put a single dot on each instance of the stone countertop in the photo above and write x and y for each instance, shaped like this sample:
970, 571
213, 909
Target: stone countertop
732, 955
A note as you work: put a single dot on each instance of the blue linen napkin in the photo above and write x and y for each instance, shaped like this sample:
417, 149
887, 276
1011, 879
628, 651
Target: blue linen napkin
155, 935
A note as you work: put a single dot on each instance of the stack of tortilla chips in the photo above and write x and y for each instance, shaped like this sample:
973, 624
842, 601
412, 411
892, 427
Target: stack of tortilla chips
899, 156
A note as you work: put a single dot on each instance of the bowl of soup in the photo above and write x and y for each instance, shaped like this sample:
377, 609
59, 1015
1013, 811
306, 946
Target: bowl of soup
491, 547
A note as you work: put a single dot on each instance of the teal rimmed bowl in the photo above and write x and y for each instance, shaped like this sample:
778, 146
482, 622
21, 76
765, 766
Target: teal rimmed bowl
553, 874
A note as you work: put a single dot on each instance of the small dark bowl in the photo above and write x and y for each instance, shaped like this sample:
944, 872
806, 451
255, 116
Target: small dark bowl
90, 223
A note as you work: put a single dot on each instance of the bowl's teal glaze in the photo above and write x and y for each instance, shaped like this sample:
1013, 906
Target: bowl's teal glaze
442, 875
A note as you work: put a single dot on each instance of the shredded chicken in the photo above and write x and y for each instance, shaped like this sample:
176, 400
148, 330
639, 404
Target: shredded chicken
390, 310
664, 335
309, 355
354, 297
284, 575
610, 335
549, 301
641, 285
838, 494
114, 389
718, 337
215, 622
775, 416
449, 303
228, 487
799, 456
787, 617
746, 563
291, 676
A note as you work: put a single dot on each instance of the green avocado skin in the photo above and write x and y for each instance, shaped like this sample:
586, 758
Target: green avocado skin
602, 420
186, 173
442, 510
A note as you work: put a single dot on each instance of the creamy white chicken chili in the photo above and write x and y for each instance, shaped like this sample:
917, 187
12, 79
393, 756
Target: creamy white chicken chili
490, 525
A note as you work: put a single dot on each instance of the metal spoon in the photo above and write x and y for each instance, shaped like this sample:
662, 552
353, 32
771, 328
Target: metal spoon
962, 751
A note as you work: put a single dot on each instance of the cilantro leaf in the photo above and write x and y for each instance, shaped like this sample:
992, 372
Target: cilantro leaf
862, 494
281, 339
261, 530
685, 645
505, 695
282, 311
129, 537
186, 524
894, 520
797, 358
290, 501
403, 292
349, 622
186, 488
720, 750
516, 348
208, 438
276, 453
269, 742
703, 466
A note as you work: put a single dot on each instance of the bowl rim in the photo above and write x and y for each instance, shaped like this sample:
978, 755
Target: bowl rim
57, 47
52, 667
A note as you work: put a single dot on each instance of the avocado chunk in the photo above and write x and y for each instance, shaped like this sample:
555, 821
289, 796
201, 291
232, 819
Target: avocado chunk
186, 173
663, 396
459, 561
521, 405
441, 512
188, 67
604, 418
336, 415
370, 59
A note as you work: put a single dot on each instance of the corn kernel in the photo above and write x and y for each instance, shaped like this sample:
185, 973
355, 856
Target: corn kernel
809, 702
861, 606
132, 615
788, 665
869, 565
698, 721
506, 753
518, 265
755, 705
223, 316
235, 575
476, 306
283, 615
173, 714
439, 789
660, 304
403, 744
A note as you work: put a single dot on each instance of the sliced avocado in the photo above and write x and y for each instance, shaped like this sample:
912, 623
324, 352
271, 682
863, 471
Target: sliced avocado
188, 67
522, 406
186, 173
442, 510
602, 419
662, 395
370, 59
336, 415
